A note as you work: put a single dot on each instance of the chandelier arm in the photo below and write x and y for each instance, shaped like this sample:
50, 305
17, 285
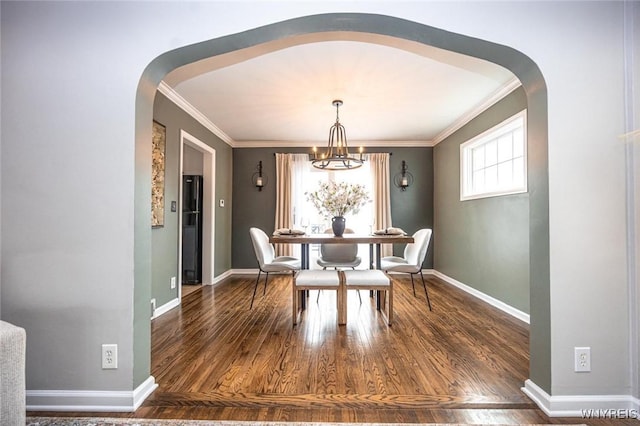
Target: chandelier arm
337, 156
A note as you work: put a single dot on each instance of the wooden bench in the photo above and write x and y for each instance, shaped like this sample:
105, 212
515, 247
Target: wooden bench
317, 280
369, 279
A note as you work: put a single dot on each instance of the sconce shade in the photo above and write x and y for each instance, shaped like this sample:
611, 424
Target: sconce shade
258, 180
404, 179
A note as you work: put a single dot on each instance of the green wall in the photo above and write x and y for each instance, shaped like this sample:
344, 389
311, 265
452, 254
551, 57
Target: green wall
411, 209
482, 243
164, 240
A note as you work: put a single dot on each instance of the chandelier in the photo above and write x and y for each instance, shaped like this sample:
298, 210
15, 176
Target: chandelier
336, 157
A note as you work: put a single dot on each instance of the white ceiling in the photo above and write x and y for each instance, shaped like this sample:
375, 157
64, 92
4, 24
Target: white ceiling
391, 96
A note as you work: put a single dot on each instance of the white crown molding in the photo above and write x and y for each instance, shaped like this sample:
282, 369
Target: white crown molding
473, 113
516, 313
98, 401
353, 144
597, 406
182, 103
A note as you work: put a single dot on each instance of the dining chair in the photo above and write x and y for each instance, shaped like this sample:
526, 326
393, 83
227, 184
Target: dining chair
411, 262
267, 259
339, 255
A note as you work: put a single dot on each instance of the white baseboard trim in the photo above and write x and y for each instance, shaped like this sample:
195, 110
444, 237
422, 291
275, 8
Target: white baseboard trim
226, 274
255, 272
174, 303
141, 393
100, 401
243, 271
522, 316
585, 406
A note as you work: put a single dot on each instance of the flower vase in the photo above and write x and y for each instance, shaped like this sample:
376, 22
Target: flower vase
338, 225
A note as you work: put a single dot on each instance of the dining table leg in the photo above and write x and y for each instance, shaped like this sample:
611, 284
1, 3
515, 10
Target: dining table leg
372, 265
304, 264
304, 250
375, 264
371, 258
378, 267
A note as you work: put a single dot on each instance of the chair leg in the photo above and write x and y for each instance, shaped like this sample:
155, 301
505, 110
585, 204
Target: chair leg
425, 290
359, 297
265, 284
254, 289
412, 285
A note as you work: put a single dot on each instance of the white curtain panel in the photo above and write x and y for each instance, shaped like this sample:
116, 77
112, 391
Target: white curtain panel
379, 163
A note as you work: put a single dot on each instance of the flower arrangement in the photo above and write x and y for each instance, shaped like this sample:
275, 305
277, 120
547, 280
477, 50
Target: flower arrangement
338, 199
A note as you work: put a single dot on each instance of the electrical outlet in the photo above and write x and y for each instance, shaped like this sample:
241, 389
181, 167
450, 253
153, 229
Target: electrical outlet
153, 306
221, 202
109, 357
582, 359
173, 282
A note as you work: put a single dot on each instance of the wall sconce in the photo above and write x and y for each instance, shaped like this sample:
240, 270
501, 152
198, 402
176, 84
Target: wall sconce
258, 180
404, 179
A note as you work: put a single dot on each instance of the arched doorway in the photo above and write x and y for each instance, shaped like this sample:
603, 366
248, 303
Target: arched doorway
384, 30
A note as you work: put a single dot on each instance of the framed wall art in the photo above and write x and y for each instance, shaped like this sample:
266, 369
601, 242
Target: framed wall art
157, 174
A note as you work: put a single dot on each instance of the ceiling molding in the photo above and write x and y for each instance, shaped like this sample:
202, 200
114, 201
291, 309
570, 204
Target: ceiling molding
473, 113
174, 97
353, 145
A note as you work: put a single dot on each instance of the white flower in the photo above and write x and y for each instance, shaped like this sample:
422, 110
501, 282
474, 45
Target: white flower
338, 199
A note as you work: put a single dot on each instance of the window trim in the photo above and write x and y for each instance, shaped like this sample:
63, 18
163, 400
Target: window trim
482, 138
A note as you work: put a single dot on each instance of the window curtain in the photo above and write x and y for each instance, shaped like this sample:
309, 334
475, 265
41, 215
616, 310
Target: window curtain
299, 177
284, 200
379, 163
290, 176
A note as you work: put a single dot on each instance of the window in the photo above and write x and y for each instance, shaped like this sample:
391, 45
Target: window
305, 216
495, 162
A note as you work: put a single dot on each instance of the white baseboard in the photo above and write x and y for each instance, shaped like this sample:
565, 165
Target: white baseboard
226, 274
593, 407
255, 272
522, 316
143, 391
243, 271
165, 308
100, 401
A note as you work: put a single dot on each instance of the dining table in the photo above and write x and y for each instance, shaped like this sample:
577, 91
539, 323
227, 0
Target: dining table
374, 241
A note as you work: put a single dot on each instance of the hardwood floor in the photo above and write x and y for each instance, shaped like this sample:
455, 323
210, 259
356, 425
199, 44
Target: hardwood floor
465, 362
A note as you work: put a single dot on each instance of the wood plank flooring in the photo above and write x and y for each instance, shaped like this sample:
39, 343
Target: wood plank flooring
464, 362
218, 349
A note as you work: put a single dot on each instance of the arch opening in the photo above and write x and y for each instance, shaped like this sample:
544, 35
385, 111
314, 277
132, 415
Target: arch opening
389, 31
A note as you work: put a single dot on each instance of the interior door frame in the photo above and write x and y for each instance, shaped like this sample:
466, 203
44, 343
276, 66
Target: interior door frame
208, 207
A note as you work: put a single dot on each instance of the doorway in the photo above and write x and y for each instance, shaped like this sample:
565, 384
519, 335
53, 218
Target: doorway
207, 167
413, 37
